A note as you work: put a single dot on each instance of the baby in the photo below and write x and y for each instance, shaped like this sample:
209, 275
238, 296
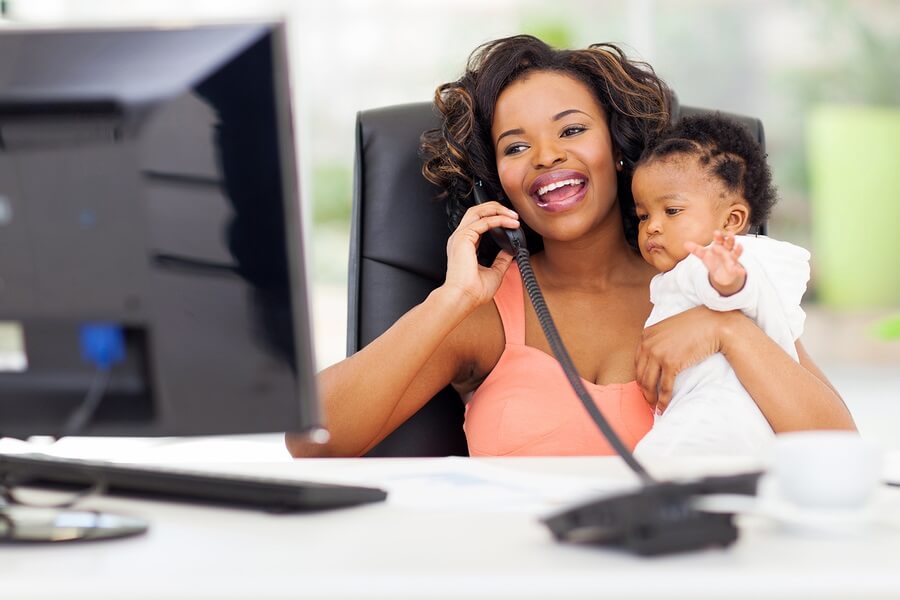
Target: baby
698, 188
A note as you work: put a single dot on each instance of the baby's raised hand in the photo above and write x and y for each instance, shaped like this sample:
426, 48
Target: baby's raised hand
726, 274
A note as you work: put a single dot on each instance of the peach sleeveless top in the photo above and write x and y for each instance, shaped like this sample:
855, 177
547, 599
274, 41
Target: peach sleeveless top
526, 407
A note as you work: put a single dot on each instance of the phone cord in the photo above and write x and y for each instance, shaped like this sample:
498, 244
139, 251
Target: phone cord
562, 355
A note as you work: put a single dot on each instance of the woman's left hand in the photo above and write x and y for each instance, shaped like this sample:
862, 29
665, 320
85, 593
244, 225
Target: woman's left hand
673, 345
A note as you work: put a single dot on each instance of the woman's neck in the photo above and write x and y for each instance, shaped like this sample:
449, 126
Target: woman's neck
600, 261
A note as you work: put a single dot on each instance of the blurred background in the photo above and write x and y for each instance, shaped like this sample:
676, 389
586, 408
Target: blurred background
823, 75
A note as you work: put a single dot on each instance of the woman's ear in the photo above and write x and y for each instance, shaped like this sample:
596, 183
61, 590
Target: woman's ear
737, 219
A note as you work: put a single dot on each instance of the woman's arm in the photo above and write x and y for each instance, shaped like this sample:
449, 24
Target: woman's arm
368, 395
791, 395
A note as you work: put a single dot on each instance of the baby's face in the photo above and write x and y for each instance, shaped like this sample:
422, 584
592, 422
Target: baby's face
676, 202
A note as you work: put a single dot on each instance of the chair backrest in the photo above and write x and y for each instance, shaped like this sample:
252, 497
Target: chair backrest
398, 255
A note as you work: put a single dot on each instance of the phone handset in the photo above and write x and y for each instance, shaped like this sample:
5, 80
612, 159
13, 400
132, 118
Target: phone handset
508, 239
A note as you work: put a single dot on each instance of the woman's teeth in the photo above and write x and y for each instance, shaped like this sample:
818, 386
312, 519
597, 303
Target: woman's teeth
558, 184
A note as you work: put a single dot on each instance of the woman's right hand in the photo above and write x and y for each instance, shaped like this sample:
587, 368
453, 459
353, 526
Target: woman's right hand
464, 274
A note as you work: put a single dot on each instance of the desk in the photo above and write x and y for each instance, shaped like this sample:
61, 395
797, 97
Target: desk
393, 551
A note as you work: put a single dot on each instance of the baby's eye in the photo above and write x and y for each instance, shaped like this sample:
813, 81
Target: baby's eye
672, 211
573, 130
514, 149
642, 217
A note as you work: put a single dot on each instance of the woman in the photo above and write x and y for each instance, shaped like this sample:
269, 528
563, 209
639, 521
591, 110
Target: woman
558, 132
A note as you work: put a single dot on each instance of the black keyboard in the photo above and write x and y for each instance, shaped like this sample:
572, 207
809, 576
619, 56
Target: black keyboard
265, 493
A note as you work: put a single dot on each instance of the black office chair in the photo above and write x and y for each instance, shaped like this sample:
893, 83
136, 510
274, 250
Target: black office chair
398, 255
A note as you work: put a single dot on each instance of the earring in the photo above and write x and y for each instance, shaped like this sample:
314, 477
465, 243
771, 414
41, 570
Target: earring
621, 163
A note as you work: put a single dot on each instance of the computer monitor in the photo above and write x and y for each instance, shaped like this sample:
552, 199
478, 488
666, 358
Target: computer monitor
152, 275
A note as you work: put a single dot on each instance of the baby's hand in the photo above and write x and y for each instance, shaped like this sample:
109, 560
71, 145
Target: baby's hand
726, 274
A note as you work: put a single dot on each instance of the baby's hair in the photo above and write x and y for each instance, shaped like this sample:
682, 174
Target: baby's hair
635, 100
727, 150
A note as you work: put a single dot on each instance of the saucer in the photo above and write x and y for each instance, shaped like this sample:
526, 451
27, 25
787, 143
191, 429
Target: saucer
882, 510
791, 517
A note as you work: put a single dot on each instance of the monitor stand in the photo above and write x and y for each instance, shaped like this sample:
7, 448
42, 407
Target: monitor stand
33, 524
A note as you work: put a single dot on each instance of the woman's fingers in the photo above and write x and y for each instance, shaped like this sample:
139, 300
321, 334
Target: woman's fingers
463, 270
483, 224
478, 219
666, 385
656, 382
640, 363
479, 211
473, 230
501, 263
672, 345
646, 372
648, 382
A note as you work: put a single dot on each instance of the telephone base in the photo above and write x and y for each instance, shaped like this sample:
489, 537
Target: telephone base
658, 518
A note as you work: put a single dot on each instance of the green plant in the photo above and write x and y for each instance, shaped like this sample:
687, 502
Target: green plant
889, 329
856, 62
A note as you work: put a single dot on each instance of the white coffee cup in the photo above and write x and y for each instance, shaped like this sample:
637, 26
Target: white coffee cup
826, 469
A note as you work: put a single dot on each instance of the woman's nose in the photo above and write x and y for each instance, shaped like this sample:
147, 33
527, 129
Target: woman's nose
548, 154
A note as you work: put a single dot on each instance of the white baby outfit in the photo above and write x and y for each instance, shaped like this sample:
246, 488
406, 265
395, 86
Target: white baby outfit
710, 411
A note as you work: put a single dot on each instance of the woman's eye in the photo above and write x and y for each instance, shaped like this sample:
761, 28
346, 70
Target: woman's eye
572, 130
515, 149
672, 211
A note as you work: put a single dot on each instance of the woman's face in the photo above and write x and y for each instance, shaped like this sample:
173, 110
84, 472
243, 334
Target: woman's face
554, 155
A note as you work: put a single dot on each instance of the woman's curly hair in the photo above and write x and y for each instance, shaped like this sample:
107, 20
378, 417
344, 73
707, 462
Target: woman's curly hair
727, 151
635, 100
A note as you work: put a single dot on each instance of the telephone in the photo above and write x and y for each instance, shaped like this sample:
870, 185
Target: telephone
508, 239
658, 518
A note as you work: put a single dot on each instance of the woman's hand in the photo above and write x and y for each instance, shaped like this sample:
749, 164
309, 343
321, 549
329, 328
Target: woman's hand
476, 282
673, 345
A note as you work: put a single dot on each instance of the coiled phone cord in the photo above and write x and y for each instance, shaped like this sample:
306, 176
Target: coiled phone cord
513, 241
559, 350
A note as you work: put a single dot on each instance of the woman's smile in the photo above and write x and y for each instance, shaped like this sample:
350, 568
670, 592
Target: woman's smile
558, 191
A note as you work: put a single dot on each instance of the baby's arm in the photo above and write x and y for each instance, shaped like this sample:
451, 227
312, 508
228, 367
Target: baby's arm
726, 275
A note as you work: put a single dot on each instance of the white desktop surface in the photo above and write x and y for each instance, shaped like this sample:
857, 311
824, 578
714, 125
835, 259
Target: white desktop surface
395, 549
